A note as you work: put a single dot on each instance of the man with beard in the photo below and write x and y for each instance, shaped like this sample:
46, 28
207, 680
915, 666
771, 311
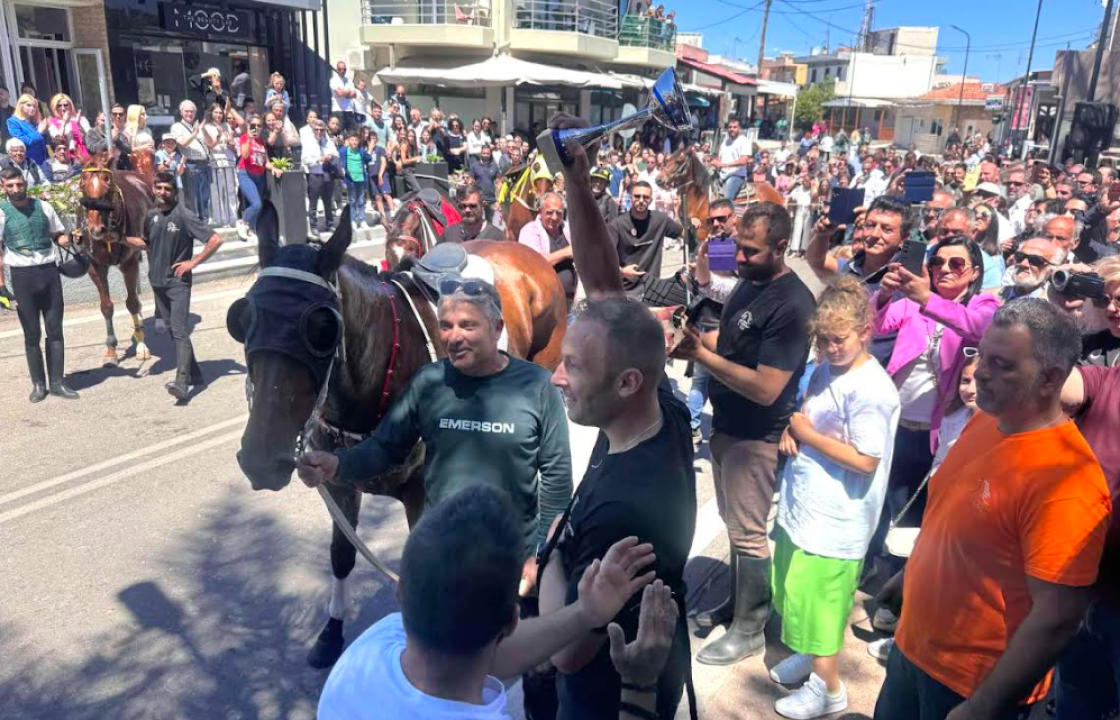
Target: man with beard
732, 160
484, 174
1033, 264
548, 235
871, 179
170, 232
472, 226
756, 365
1011, 539
600, 180
29, 229
1019, 197
640, 237
343, 93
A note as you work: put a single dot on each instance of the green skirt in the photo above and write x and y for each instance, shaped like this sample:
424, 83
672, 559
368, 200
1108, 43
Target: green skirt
814, 595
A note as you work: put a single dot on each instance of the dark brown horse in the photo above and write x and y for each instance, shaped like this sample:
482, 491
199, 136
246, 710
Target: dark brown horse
684, 172
417, 225
115, 205
386, 324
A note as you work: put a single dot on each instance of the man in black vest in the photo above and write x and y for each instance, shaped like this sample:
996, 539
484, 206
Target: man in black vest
29, 229
169, 234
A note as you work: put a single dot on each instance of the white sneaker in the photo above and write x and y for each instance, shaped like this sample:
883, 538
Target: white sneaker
880, 649
884, 620
812, 700
793, 670
242, 229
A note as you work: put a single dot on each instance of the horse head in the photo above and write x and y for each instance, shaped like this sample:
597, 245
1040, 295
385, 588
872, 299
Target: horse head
291, 326
101, 198
404, 238
680, 169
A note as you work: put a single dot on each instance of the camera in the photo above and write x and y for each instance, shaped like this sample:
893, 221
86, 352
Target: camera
1089, 286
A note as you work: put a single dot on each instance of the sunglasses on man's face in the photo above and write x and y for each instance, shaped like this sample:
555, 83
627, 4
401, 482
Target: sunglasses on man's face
1036, 261
957, 265
713, 219
641, 198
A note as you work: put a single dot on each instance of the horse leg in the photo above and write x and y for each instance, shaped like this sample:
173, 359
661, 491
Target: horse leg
100, 276
130, 269
328, 646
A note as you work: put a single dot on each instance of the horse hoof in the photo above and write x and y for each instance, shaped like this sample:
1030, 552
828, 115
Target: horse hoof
143, 353
111, 358
328, 646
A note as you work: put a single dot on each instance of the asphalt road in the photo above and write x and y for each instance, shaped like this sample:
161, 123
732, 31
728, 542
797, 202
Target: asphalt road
142, 578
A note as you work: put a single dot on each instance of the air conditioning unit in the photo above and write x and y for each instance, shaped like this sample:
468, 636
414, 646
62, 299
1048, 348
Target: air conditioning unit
356, 59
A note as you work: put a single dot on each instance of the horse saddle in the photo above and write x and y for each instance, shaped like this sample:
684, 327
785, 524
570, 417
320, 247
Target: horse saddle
433, 203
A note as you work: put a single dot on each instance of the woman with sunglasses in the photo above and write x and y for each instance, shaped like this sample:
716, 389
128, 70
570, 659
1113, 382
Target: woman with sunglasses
941, 311
67, 127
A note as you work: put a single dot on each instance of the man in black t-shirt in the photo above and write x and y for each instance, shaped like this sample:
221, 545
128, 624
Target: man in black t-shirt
484, 172
473, 225
639, 237
170, 232
640, 480
755, 366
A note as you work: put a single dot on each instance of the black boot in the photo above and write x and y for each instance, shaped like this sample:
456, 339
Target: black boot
745, 636
722, 613
56, 361
38, 374
180, 388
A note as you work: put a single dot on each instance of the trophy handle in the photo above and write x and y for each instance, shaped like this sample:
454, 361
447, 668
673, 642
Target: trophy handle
552, 143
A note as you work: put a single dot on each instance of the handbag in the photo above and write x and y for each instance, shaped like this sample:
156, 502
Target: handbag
900, 540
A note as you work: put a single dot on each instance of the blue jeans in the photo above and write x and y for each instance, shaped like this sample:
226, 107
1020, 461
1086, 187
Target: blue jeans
908, 693
698, 393
1087, 684
252, 189
356, 196
732, 185
196, 186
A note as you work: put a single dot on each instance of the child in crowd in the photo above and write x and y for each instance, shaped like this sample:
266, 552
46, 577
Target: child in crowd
379, 188
354, 160
832, 491
169, 158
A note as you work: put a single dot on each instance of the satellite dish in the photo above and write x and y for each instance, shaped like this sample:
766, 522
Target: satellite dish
627, 110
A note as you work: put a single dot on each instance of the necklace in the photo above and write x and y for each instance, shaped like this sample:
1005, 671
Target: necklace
631, 444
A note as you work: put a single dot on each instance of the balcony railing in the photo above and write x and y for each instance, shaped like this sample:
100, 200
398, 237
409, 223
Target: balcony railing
426, 12
590, 17
648, 32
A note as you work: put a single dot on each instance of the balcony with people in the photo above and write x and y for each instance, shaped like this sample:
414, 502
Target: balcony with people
648, 38
444, 23
587, 28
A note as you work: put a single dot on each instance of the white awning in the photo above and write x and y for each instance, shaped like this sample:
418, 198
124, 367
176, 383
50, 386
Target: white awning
857, 102
500, 70
312, 5
772, 87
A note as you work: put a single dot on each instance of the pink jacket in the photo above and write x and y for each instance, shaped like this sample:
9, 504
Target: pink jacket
964, 326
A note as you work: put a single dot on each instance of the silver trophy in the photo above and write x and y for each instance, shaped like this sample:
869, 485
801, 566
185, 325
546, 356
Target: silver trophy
667, 105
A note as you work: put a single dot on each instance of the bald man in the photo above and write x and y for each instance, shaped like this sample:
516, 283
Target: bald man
548, 235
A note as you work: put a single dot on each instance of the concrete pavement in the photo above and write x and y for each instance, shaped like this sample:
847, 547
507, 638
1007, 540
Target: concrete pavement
144, 579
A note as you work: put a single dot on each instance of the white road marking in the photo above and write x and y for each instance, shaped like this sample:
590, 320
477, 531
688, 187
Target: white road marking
118, 476
127, 457
122, 313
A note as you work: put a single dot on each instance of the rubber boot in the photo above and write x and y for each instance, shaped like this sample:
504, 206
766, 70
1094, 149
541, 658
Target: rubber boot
745, 636
179, 388
37, 372
56, 361
724, 612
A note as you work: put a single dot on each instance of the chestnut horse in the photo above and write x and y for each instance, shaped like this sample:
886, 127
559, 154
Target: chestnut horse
389, 329
520, 199
417, 225
684, 172
115, 203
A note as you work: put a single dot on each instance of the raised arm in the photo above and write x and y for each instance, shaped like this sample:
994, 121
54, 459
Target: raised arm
593, 250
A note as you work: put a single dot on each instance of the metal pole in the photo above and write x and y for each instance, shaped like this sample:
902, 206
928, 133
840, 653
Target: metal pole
1026, 75
964, 74
1100, 52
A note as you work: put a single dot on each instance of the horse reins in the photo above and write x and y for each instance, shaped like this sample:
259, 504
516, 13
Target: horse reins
88, 202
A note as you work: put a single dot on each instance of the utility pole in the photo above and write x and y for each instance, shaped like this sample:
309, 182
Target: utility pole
964, 75
1089, 96
865, 26
1026, 83
762, 37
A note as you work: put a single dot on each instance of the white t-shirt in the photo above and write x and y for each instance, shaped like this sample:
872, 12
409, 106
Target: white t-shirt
918, 382
50, 257
195, 149
825, 508
341, 82
367, 683
947, 433
730, 151
475, 142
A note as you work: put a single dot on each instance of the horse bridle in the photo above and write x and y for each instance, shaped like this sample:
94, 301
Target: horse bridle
99, 205
317, 418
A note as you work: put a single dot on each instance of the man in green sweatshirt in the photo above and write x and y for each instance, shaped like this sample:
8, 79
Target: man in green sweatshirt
485, 418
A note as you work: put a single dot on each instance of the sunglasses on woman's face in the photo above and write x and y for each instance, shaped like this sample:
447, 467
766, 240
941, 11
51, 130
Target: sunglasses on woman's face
957, 265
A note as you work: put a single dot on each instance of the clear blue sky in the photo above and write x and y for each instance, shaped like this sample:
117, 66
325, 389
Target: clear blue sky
1000, 29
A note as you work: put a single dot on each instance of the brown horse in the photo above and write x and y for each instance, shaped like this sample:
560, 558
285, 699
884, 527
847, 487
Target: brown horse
386, 321
417, 225
521, 197
684, 172
115, 204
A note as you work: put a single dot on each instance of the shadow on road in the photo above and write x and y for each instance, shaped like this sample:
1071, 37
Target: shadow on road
222, 636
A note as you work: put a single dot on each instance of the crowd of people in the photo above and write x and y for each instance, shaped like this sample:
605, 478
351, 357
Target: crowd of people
973, 395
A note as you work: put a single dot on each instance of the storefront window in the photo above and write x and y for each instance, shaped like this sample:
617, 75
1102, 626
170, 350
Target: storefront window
42, 23
532, 110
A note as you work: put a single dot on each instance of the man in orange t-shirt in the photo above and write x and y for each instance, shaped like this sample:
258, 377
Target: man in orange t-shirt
1011, 539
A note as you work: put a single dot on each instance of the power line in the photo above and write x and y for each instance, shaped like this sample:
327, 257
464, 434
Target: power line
728, 19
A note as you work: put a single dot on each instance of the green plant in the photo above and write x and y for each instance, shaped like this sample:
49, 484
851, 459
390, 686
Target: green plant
63, 196
282, 164
809, 103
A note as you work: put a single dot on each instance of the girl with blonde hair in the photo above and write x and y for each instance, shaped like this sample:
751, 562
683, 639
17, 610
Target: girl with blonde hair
27, 124
832, 491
